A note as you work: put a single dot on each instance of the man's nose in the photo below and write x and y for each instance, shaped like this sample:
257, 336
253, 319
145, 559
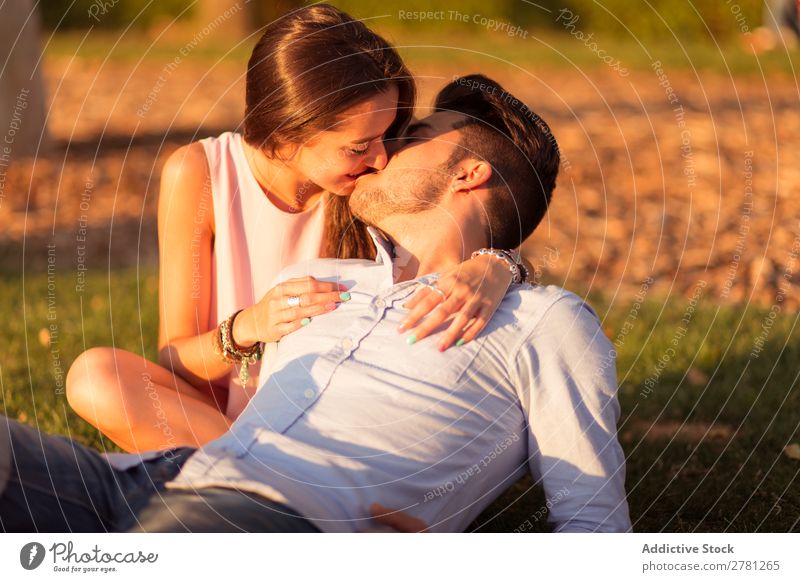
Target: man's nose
377, 156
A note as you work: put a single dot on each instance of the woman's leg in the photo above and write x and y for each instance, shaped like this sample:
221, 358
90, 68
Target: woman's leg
140, 405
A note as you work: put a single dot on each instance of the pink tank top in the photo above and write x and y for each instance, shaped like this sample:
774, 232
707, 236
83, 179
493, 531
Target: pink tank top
253, 242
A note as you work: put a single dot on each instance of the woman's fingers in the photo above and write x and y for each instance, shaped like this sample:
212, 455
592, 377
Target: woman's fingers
435, 318
470, 319
419, 294
311, 299
274, 312
421, 304
301, 316
445, 283
455, 332
475, 326
308, 286
300, 313
287, 327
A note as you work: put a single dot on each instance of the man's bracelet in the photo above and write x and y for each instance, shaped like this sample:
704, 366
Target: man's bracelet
519, 273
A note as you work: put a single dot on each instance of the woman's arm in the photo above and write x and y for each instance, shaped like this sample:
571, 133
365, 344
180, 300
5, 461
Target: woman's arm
185, 241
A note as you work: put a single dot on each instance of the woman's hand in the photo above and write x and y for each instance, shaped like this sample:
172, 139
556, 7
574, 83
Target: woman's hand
473, 290
273, 317
398, 521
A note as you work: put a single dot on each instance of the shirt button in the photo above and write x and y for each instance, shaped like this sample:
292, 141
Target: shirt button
309, 393
347, 343
380, 304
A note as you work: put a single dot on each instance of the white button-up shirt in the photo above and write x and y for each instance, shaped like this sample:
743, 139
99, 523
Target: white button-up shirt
348, 413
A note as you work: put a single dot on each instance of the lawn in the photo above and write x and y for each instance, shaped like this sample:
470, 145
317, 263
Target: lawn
703, 431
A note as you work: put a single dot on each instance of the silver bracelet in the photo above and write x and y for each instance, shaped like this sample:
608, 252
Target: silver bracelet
518, 270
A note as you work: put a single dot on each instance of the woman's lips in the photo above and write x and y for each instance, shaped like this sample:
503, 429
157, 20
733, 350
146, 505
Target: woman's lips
356, 175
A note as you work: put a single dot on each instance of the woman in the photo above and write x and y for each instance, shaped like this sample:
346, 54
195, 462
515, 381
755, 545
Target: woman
323, 93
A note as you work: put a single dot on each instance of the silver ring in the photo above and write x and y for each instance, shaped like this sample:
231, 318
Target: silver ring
293, 301
434, 287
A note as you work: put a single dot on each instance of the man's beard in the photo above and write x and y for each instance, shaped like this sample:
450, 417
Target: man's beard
373, 205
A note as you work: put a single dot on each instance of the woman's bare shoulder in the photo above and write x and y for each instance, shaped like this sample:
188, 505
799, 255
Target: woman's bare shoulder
188, 162
186, 183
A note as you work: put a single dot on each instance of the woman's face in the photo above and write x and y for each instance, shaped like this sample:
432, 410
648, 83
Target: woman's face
334, 158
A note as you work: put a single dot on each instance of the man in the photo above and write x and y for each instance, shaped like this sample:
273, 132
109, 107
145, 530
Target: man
353, 413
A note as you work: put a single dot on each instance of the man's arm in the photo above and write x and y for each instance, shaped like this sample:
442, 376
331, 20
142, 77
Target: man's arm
566, 380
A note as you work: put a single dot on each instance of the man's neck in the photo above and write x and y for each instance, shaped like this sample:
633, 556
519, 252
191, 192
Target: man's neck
431, 243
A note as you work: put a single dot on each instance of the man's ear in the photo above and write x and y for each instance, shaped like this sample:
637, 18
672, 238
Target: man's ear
472, 174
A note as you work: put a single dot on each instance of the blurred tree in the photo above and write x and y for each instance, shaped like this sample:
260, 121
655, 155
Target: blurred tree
242, 17
702, 20
696, 20
23, 119
237, 17
64, 15
269, 10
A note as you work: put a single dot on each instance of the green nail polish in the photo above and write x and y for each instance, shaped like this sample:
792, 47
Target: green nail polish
344, 296
305, 321
460, 342
412, 339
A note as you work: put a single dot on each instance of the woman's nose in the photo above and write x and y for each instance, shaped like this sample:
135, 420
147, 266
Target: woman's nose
378, 154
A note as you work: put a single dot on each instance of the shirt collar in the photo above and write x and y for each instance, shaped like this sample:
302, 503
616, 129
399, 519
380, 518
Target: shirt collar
385, 258
383, 245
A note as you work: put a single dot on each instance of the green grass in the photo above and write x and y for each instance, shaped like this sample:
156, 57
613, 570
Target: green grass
735, 478
542, 49
106, 312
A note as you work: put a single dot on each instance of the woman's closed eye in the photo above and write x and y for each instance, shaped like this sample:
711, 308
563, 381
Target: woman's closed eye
358, 149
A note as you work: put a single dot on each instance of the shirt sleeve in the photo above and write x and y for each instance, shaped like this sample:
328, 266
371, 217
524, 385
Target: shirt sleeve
566, 379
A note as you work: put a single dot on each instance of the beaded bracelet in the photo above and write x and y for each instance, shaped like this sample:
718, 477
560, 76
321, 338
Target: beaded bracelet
519, 273
236, 348
231, 352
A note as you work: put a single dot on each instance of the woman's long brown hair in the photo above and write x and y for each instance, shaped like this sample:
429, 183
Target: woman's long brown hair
309, 67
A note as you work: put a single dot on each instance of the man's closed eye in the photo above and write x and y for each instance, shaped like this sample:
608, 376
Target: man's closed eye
409, 139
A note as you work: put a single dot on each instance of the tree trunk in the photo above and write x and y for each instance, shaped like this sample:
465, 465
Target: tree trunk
23, 120
242, 18
237, 18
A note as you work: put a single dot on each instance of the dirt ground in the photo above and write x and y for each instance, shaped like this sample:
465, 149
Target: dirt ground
670, 180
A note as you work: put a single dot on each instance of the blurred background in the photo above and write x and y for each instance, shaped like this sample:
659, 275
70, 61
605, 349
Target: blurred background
676, 212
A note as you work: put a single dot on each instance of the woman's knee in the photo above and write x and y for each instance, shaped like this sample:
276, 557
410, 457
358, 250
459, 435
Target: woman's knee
93, 386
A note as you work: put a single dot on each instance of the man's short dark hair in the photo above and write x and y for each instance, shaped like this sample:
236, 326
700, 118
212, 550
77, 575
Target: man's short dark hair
516, 142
